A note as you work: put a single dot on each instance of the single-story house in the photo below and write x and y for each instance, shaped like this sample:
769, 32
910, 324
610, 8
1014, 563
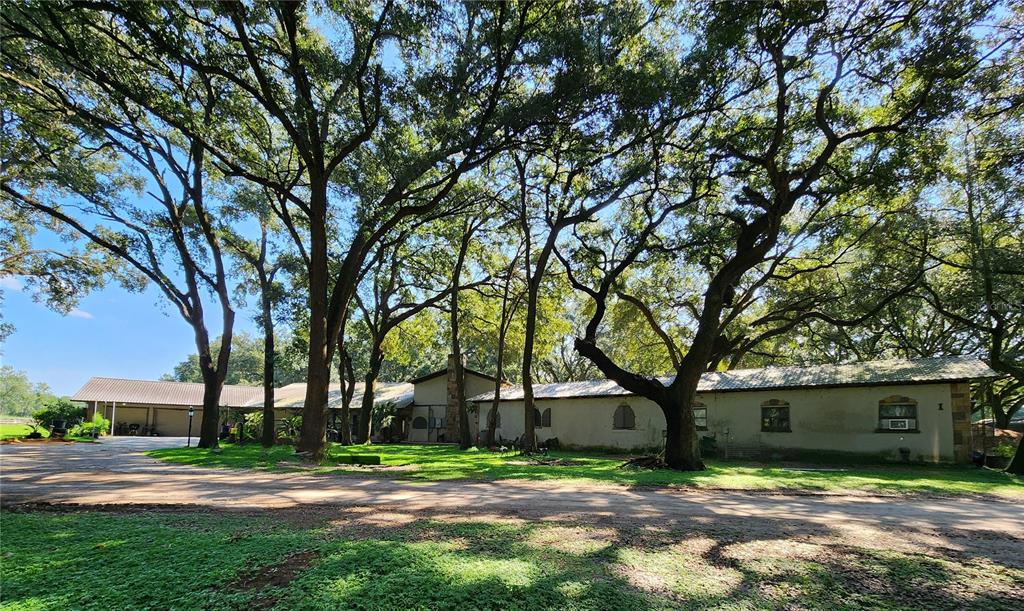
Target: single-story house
921, 406
919, 409
143, 407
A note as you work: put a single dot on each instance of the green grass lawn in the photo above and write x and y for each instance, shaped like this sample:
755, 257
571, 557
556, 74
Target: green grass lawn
442, 462
10, 431
335, 560
17, 431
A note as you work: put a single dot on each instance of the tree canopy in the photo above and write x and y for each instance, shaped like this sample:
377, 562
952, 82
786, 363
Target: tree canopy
561, 190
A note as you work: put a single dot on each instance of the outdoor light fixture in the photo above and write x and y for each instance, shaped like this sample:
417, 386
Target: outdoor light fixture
191, 412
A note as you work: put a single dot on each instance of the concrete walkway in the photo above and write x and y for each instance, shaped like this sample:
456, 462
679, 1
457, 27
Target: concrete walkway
116, 472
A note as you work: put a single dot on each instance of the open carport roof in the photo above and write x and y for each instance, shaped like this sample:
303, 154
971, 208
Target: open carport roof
185, 394
870, 373
153, 392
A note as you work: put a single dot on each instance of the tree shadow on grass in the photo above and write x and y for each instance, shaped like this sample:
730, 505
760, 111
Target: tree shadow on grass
367, 558
441, 565
450, 563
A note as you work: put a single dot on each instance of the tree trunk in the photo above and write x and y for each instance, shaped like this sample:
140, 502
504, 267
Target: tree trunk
269, 436
1016, 465
529, 440
682, 447
492, 416
999, 415
458, 397
213, 382
209, 426
455, 366
313, 434
365, 425
1001, 418
348, 383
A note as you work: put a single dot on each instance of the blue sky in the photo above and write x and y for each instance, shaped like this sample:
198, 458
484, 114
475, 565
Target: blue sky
111, 333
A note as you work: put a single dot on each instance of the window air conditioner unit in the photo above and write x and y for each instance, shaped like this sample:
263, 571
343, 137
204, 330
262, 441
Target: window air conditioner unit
899, 424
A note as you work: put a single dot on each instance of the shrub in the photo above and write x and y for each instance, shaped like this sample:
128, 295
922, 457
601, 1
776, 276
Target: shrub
58, 409
290, 427
253, 425
94, 428
1003, 450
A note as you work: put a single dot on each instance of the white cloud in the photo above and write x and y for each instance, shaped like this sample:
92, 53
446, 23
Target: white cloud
80, 314
10, 283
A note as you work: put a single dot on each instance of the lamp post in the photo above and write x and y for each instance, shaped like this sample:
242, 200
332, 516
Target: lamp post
191, 412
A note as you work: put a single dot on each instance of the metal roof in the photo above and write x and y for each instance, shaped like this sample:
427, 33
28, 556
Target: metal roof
870, 373
294, 395
444, 372
162, 393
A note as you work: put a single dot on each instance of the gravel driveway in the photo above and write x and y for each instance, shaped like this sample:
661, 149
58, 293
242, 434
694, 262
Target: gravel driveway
115, 471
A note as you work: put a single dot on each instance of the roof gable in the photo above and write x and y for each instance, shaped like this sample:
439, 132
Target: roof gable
444, 372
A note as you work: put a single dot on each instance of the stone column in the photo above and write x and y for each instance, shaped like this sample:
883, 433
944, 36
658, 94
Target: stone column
961, 411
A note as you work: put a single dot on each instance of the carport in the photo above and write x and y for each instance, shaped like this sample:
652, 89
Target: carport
148, 407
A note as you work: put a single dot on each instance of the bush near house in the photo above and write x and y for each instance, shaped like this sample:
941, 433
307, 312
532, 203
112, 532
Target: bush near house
58, 409
93, 428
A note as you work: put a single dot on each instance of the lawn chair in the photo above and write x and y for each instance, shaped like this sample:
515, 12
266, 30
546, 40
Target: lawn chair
58, 428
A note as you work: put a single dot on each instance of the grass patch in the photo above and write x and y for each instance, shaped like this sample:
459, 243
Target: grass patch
442, 462
13, 431
57, 560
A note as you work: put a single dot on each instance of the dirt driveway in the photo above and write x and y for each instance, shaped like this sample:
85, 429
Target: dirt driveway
115, 472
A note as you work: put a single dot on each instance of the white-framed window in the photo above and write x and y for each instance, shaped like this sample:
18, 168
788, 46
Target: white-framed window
897, 413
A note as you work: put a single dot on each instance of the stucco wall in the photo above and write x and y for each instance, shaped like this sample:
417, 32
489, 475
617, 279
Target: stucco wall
435, 390
421, 435
830, 419
434, 393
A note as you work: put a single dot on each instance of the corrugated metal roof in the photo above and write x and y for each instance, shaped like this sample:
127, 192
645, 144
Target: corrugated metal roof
187, 393
895, 371
294, 395
444, 372
161, 393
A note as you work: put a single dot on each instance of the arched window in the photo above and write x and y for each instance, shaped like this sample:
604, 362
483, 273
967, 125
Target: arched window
536, 418
700, 416
545, 418
419, 422
896, 413
624, 417
775, 416
497, 418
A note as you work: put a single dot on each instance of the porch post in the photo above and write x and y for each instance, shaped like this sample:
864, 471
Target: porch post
113, 414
